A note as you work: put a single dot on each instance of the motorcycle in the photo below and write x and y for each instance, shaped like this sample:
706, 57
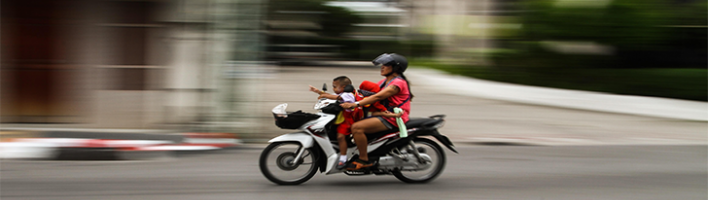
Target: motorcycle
294, 158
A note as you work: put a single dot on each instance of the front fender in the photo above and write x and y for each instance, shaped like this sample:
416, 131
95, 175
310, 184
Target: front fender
300, 137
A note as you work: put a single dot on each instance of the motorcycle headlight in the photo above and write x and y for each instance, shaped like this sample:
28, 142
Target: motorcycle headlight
323, 102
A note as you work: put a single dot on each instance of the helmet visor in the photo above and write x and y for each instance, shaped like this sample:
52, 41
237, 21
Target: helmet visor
383, 59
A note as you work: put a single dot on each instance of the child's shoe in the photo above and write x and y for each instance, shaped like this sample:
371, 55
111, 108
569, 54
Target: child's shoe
341, 165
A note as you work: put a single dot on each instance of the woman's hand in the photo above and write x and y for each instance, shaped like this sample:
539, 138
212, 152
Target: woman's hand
390, 114
347, 105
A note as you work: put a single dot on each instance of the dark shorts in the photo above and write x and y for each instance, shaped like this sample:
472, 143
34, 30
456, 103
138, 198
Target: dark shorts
386, 123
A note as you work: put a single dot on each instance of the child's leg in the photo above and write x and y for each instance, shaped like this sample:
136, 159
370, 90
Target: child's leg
342, 139
343, 130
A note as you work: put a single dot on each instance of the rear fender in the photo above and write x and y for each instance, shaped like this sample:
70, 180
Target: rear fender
440, 137
446, 141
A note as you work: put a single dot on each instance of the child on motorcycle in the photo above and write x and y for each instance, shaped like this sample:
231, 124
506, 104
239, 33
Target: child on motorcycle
345, 93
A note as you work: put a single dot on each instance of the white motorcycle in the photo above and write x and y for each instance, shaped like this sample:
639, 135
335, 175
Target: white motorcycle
294, 158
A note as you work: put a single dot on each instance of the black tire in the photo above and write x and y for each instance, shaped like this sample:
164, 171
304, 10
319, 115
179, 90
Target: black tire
435, 171
281, 160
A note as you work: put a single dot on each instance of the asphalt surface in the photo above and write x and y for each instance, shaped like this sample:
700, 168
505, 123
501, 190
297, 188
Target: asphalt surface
478, 172
477, 120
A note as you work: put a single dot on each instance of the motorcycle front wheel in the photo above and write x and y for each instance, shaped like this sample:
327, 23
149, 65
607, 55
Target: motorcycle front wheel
437, 162
276, 163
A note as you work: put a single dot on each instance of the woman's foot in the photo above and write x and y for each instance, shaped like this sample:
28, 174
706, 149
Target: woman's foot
359, 164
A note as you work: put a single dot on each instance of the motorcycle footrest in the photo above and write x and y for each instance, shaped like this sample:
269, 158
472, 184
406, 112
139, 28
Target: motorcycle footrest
358, 172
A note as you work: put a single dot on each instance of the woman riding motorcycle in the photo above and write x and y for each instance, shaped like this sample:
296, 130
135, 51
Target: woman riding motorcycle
394, 93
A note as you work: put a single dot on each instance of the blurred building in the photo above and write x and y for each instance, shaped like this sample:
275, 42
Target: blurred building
460, 29
151, 63
381, 19
119, 64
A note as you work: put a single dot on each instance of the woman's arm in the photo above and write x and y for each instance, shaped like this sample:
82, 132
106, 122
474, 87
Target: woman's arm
383, 94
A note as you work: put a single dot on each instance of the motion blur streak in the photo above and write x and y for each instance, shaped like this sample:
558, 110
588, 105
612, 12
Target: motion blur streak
170, 71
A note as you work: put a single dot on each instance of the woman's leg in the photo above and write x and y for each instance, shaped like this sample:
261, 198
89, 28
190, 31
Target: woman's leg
359, 131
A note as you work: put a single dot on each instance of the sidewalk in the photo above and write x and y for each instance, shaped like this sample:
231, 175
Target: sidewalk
584, 100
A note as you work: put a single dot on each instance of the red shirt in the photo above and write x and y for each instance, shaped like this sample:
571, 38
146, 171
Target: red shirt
398, 98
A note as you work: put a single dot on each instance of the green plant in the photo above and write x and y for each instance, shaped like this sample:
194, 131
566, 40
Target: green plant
637, 34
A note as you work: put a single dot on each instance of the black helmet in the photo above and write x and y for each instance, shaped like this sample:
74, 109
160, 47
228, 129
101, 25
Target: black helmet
398, 62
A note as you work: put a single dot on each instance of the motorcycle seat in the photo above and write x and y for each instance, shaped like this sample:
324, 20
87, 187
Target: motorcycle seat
421, 122
412, 123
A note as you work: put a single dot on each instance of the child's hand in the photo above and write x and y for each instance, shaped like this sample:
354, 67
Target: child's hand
315, 90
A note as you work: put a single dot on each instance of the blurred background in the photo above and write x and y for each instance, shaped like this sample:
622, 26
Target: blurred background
200, 64
155, 81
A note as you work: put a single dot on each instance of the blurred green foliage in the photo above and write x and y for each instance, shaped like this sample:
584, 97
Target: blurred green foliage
642, 34
338, 21
355, 49
334, 21
657, 48
688, 84
370, 49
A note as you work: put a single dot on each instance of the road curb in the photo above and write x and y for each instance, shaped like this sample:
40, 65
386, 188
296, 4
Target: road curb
575, 99
111, 149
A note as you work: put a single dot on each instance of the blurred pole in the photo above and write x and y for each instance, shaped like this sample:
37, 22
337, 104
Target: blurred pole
237, 28
191, 69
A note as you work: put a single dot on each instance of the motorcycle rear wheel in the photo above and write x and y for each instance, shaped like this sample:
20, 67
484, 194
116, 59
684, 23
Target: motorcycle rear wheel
277, 166
436, 153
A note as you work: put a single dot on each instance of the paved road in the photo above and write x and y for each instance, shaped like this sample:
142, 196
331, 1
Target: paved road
478, 172
480, 120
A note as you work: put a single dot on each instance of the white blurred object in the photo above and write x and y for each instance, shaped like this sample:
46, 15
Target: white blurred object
279, 110
323, 102
367, 7
26, 150
578, 47
179, 148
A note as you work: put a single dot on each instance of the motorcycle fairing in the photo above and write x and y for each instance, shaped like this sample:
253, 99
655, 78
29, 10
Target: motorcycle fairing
301, 137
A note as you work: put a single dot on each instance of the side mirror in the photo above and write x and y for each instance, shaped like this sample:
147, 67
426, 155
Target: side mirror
324, 87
